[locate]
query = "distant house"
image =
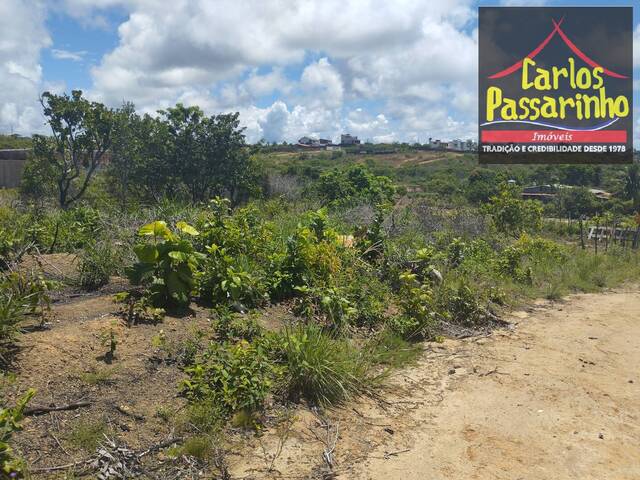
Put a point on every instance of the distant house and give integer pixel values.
(457, 145)
(546, 193)
(347, 139)
(436, 144)
(306, 141)
(543, 193)
(311, 142)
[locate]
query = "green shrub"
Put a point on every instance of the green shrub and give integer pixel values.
(12, 466)
(319, 368)
(519, 259)
(235, 376)
(230, 326)
(67, 230)
(455, 252)
(166, 264)
(96, 263)
(312, 257)
(354, 184)
(419, 318)
(225, 280)
(330, 305)
(368, 296)
(514, 216)
(463, 305)
(21, 295)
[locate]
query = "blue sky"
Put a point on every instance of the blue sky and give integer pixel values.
(386, 71)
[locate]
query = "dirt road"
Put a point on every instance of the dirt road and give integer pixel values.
(557, 398)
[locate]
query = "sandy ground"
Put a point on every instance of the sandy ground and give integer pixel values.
(557, 398)
(554, 397)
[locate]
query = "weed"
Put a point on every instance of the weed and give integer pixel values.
(197, 447)
(420, 315)
(137, 308)
(11, 466)
(330, 305)
(166, 264)
(164, 413)
(182, 352)
(99, 376)
(235, 376)
(319, 368)
(230, 326)
(96, 264)
(108, 339)
(21, 295)
(391, 350)
(86, 434)
(204, 416)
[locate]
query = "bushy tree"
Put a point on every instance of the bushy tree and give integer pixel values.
(81, 135)
(575, 202)
(208, 153)
(139, 166)
(511, 214)
(181, 152)
(483, 184)
(355, 183)
(581, 175)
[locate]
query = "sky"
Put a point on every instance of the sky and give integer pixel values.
(402, 70)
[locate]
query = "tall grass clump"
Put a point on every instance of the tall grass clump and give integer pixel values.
(21, 295)
(319, 368)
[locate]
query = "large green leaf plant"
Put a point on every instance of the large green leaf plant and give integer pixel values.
(166, 264)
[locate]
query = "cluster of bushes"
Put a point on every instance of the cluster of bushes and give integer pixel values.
(364, 280)
(179, 154)
(359, 292)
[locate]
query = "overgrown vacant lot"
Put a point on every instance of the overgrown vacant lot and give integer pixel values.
(188, 309)
(274, 321)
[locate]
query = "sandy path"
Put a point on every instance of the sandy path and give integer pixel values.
(557, 398)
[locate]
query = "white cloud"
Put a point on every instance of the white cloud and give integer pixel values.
(23, 35)
(323, 84)
(402, 70)
(258, 85)
(390, 52)
(275, 122)
(368, 126)
(68, 55)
